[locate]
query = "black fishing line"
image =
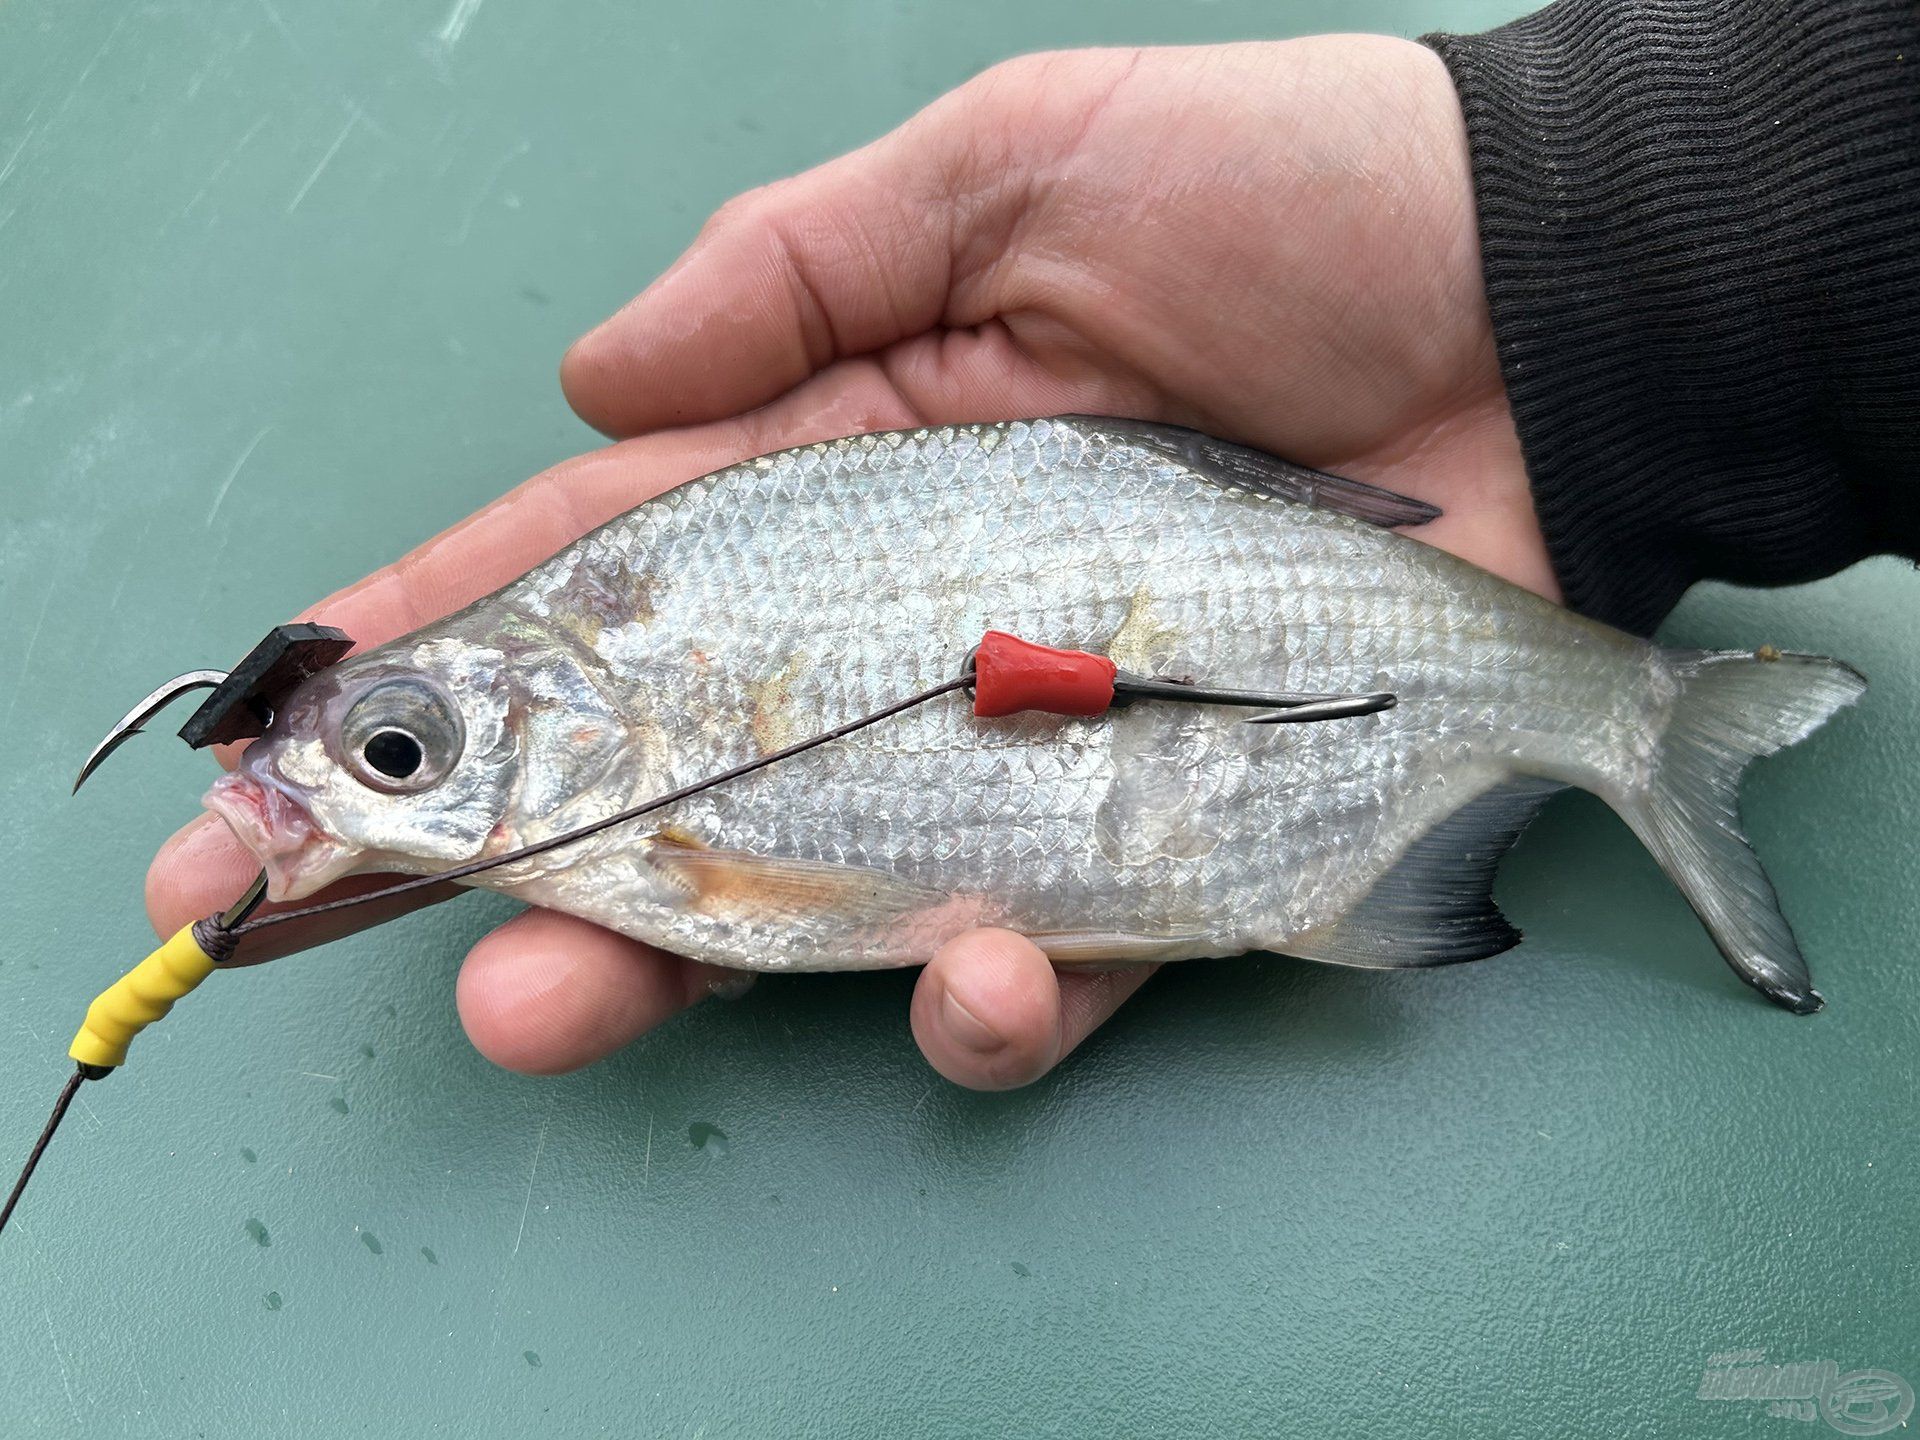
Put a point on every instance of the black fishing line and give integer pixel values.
(40, 1145)
(234, 932)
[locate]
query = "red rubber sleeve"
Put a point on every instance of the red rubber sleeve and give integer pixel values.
(1012, 675)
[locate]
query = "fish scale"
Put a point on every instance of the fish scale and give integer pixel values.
(788, 594)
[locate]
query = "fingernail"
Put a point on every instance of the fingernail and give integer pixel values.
(968, 1028)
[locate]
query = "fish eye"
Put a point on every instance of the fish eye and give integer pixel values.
(401, 735)
(394, 753)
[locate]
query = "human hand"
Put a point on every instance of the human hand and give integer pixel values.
(1272, 242)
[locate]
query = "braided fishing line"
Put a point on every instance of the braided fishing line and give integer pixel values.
(67, 1093)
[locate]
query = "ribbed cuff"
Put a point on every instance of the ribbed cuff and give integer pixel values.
(1698, 222)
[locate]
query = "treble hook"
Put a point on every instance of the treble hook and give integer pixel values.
(129, 724)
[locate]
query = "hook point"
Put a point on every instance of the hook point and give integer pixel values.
(130, 724)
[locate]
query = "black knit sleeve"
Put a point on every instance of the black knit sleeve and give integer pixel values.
(1700, 224)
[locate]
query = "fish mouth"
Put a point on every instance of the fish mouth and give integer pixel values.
(297, 855)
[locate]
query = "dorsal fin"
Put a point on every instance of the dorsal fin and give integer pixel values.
(1248, 469)
(1435, 906)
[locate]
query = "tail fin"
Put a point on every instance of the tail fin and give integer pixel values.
(1733, 707)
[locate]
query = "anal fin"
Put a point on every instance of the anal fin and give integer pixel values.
(1097, 948)
(1435, 906)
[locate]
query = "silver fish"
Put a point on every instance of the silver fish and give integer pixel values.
(782, 596)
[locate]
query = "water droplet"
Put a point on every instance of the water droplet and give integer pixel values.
(274, 1302)
(1021, 1270)
(258, 1233)
(710, 1138)
(368, 1239)
(532, 1358)
(338, 1104)
(367, 1051)
(248, 1155)
(429, 1256)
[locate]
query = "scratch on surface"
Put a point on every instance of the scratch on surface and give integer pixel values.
(220, 496)
(66, 1381)
(273, 18)
(319, 82)
(506, 1266)
(221, 168)
(26, 658)
(486, 189)
(80, 80)
(458, 18)
(315, 1075)
(646, 1172)
(14, 158)
(531, 1173)
(325, 160)
(33, 638)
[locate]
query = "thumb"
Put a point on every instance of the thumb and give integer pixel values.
(781, 282)
(992, 1013)
(892, 240)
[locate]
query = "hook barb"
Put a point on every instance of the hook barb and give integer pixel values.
(130, 723)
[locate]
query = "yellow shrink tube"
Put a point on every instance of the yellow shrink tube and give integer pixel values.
(138, 998)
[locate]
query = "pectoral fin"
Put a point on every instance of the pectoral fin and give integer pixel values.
(1435, 906)
(773, 890)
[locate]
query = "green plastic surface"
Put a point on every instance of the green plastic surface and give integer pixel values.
(282, 289)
